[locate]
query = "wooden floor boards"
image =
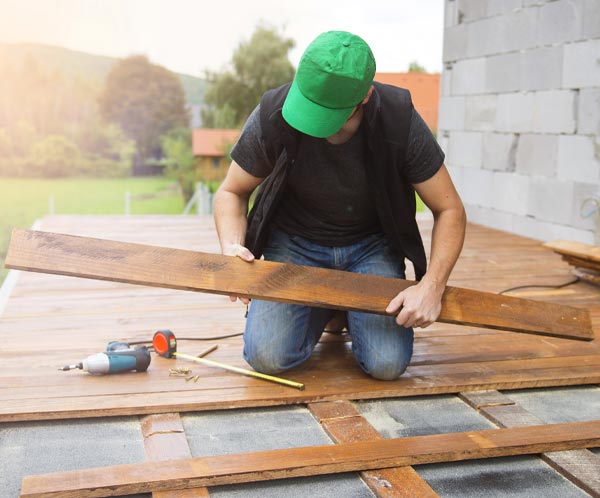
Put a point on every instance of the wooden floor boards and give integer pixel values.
(307, 461)
(54, 320)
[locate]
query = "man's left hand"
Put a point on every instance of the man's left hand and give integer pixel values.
(420, 305)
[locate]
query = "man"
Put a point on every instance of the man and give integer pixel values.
(338, 158)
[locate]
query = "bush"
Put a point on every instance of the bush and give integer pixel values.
(54, 156)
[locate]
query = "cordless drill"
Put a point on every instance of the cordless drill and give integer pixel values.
(118, 357)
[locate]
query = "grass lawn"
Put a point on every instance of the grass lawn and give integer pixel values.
(22, 201)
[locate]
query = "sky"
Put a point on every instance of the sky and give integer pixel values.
(192, 36)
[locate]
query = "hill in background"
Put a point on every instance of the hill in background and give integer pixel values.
(89, 67)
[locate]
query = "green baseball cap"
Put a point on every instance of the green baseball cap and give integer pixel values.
(333, 77)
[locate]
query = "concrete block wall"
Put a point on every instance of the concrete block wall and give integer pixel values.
(520, 113)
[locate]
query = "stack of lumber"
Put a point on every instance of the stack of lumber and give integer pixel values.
(584, 258)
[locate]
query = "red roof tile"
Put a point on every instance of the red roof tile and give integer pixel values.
(209, 142)
(424, 89)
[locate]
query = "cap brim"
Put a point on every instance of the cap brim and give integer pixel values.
(310, 118)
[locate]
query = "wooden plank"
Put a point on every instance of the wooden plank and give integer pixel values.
(576, 249)
(164, 439)
(582, 467)
(581, 263)
(590, 276)
(316, 460)
(342, 421)
(483, 399)
(188, 270)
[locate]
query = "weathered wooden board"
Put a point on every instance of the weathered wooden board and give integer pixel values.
(188, 270)
(575, 249)
(316, 460)
(344, 424)
(164, 439)
(582, 467)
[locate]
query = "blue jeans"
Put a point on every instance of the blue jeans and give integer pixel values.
(280, 336)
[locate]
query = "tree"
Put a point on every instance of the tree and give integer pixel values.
(257, 65)
(146, 100)
(415, 67)
(177, 147)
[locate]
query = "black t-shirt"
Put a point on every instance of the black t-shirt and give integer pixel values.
(327, 198)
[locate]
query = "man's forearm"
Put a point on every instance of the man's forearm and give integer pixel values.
(446, 244)
(230, 211)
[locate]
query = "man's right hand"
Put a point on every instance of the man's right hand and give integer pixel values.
(244, 254)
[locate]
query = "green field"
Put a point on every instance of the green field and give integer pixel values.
(22, 201)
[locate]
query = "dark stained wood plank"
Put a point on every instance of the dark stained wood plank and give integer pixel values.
(164, 439)
(315, 460)
(582, 467)
(187, 270)
(344, 424)
(576, 249)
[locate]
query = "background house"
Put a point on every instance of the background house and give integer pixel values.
(424, 89)
(211, 148)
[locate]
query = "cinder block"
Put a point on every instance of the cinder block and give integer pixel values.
(551, 200)
(452, 113)
(499, 151)
(581, 67)
(481, 112)
(542, 230)
(446, 81)
(456, 175)
(591, 19)
(520, 29)
(455, 43)
(486, 36)
(537, 155)
(468, 76)
(578, 158)
(560, 22)
(588, 114)
(503, 73)
(510, 192)
(541, 69)
(477, 187)
(465, 149)
(442, 140)
(529, 3)
(450, 13)
(497, 7)
(515, 112)
(471, 10)
(581, 192)
(492, 218)
(554, 111)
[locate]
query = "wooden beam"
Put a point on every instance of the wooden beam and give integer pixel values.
(316, 460)
(344, 424)
(188, 270)
(581, 467)
(164, 439)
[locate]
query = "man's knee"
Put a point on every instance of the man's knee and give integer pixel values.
(269, 361)
(386, 368)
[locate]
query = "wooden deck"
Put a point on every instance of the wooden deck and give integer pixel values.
(50, 321)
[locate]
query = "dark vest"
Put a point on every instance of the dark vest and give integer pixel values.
(387, 122)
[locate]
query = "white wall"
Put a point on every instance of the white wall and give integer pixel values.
(520, 113)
